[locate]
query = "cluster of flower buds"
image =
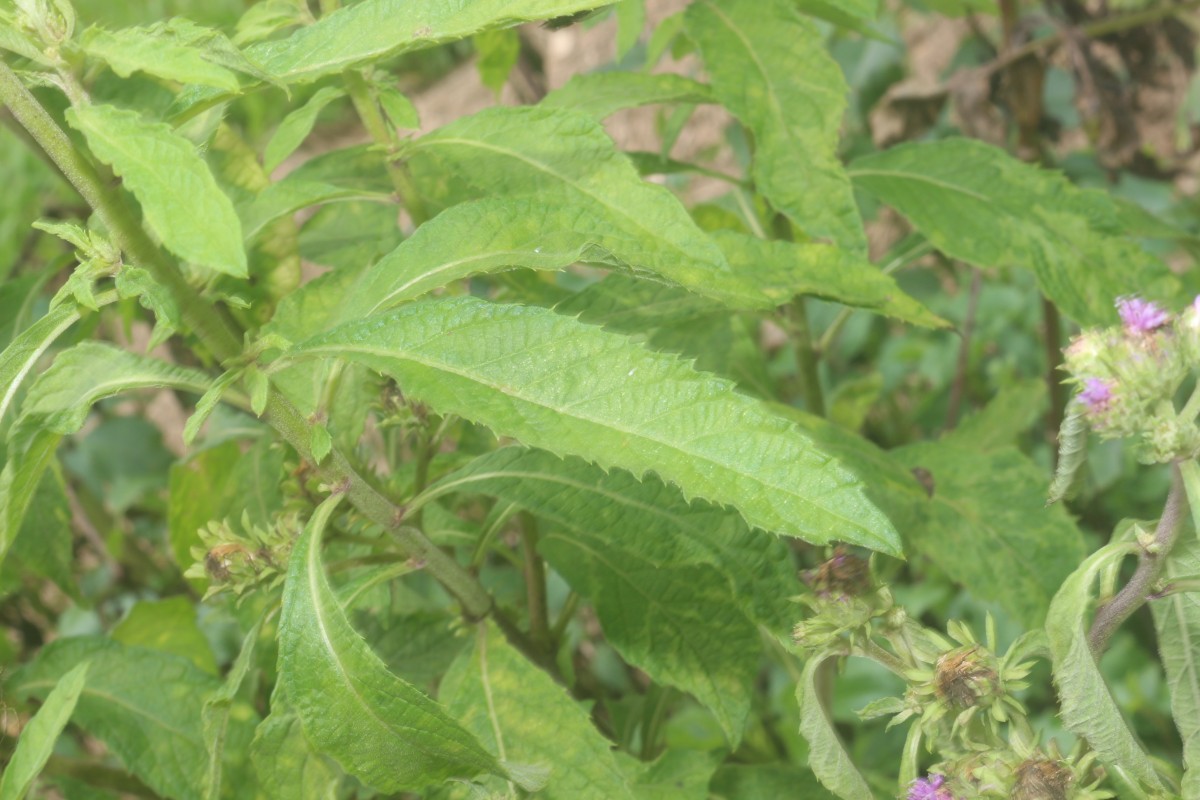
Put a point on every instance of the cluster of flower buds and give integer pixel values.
(239, 562)
(1128, 376)
(1019, 773)
(845, 602)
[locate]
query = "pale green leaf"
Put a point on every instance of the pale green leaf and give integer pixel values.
(296, 126)
(565, 158)
(15, 40)
(287, 765)
(827, 756)
(988, 527)
(769, 66)
(379, 728)
(498, 51)
(781, 270)
(26, 462)
(647, 517)
(143, 704)
(599, 94)
(180, 199)
(1015, 409)
(168, 625)
(677, 774)
(574, 389)
(676, 622)
(293, 194)
(133, 50)
(1087, 704)
(1177, 621)
(36, 742)
(154, 297)
(976, 203)
(399, 110)
(216, 715)
(377, 29)
(521, 715)
(44, 544)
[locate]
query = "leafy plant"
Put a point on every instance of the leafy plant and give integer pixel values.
(349, 454)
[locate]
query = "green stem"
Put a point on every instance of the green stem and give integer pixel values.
(224, 342)
(565, 615)
(535, 583)
(377, 126)
(1192, 407)
(806, 359)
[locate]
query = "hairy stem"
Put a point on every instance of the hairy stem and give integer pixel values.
(959, 387)
(223, 340)
(1150, 566)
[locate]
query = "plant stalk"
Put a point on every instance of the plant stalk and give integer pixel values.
(535, 584)
(220, 336)
(1150, 566)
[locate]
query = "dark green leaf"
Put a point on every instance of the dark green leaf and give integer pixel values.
(599, 94)
(170, 626)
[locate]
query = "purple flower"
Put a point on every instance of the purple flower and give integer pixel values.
(1141, 316)
(1096, 394)
(929, 789)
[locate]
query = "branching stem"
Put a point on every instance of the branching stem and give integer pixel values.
(1150, 566)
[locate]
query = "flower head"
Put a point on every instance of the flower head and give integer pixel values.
(930, 788)
(1141, 316)
(1096, 395)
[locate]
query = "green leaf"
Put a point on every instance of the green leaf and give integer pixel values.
(1087, 704)
(160, 167)
(574, 389)
(143, 704)
(168, 625)
(647, 517)
(976, 203)
(1014, 410)
(36, 743)
(519, 713)
(296, 126)
(81, 376)
(631, 19)
(564, 158)
(498, 53)
(44, 544)
(374, 30)
(599, 94)
(765, 782)
(769, 66)
(133, 50)
(676, 622)
(783, 270)
(379, 728)
(216, 715)
(288, 767)
(677, 774)
(58, 403)
(827, 756)
(398, 109)
(23, 352)
(988, 527)
(1177, 622)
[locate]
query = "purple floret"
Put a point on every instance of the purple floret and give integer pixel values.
(1096, 394)
(930, 788)
(1141, 316)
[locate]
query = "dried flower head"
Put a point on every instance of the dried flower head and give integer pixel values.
(965, 675)
(1141, 316)
(843, 575)
(1042, 779)
(930, 788)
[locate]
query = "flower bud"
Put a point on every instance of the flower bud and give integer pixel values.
(52, 20)
(930, 788)
(1042, 779)
(843, 575)
(965, 677)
